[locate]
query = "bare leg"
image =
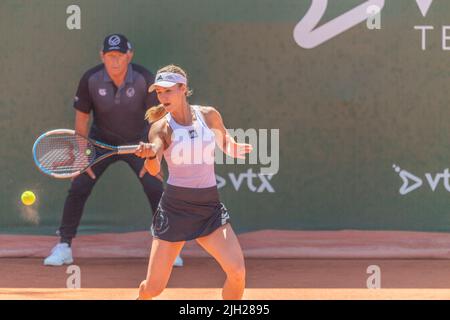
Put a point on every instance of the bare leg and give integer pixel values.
(224, 246)
(160, 265)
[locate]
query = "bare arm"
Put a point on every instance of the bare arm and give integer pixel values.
(153, 151)
(223, 139)
(82, 123)
(82, 128)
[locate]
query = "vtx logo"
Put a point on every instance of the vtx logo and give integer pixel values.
(412, 182)
(263, 181)
(308, 35)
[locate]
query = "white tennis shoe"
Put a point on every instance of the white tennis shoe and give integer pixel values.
(60, 254)
(178, 262)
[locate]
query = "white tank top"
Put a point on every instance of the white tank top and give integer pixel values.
(190, 156)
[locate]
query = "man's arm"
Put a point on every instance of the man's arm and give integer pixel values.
(82, 123)
(83, 104)
(83, 107)
(82, 128)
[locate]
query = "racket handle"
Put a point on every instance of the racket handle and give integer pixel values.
(127, 149)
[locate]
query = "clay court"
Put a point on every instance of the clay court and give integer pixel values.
(280, 265)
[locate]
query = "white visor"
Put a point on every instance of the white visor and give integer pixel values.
(167, 80)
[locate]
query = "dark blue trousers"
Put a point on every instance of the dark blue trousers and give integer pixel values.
(83, 184)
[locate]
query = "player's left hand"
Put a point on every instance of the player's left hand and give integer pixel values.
(239, 150)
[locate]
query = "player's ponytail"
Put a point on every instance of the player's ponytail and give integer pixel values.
(155, 113)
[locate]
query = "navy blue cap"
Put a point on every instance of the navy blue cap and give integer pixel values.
(116, 42)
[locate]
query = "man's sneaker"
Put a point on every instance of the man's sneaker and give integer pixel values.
(178, 262)
(61, 254)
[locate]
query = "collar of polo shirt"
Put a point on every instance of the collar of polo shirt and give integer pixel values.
(128, 78)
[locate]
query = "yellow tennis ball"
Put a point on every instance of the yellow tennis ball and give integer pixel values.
(28, 198)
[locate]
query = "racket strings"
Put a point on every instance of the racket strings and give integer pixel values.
(64, 154)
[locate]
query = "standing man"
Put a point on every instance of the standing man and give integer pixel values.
(116, 92)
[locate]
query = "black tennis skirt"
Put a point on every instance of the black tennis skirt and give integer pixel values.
(185, 214)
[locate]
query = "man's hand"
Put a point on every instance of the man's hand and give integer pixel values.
(145, 150)
(142, 172)
(90, 174)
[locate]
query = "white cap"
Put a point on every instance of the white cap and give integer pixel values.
(167, 80)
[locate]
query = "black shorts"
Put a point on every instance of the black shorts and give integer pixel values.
(185, 214)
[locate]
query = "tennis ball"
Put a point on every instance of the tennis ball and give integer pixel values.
(28, 198)
(88, 152)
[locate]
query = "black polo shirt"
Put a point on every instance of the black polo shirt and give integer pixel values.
(118, 112)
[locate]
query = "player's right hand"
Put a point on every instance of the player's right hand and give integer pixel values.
(145, 150)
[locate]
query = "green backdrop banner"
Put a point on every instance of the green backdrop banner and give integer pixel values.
(363, 114)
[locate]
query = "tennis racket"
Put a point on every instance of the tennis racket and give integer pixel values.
(63, 153)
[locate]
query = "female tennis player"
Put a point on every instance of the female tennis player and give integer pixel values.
(190, 207)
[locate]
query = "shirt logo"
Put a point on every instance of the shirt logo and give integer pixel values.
(114, 41)
(130, 92)
(102, 92)
(193, 134)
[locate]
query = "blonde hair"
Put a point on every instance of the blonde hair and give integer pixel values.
(157, 112)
